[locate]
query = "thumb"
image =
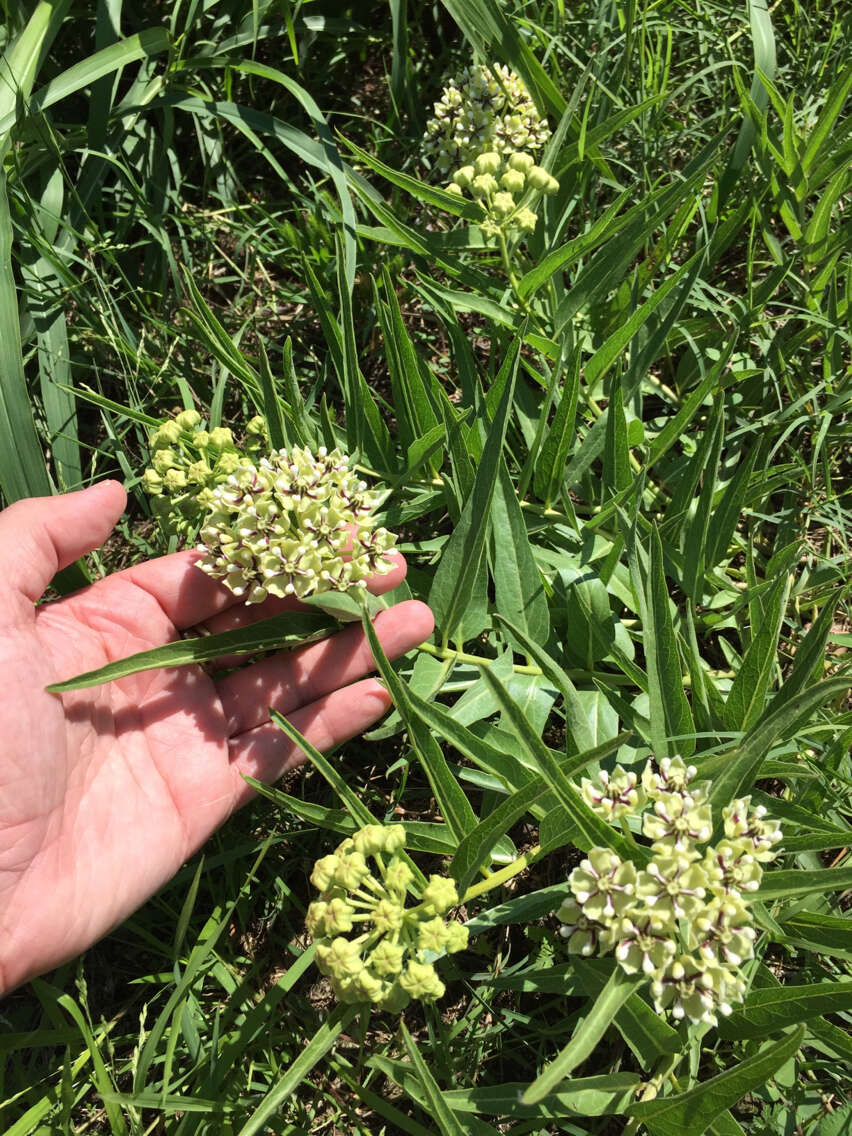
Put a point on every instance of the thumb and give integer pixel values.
(41, 535)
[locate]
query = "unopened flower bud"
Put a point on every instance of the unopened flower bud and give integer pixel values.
(487, 163)
(521, 162)
(167, 435)
(502, 204)
(540, 179)
(420, 980)
(439, 895)
(483, 185)
(188, 419)
(513, 181)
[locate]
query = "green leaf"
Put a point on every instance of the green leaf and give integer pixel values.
(271, 405)
(592, 830)
(474, 850)
(606, 355)
(550, 466)
(518, 585)
(767, 1011)
(691, 1113)
(459, 568)
(322, 1041)
(584, 1096)
(410, 398)
(617, 475)
(726, 515)
(588, 1033)
(670, 716)
(832, 933)
(798, 881)
(747, 695)
(451, 798)
(489, 30)
(695, 527)
(420, 190)
(440, 1111)
(151, 41)
(365, 430)
(831, 111)
(582, 612)
(647, 1033)
(576, 721)
(733, 774)
(23, 472)
(763, 41)
(809, 658)
(273, 634)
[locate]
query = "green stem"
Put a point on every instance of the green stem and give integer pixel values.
(665, 1069)
(495, 879)
(510, 272)
(518, 668)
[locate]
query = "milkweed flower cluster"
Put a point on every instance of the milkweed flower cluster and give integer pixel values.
(188, 461)
(487, 130)
(683, 921)
(504, 185)
(483, 108)
(371, 946)
(293, 523)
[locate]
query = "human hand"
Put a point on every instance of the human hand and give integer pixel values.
(105, 792)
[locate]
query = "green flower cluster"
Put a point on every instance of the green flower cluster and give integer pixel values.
(188, 462)
(683, 921)
(504, 185)
(483, 109)
(388, 961)
(293, 524)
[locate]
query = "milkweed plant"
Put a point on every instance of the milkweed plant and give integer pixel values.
(614, 822)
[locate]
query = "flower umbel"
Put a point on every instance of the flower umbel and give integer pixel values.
(389, 959)
(683, 922)
(293, 524)
(188, 462)
(483, 108)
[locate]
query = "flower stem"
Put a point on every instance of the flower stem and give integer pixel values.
(495, 879)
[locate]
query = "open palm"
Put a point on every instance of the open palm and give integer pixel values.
(105, 792)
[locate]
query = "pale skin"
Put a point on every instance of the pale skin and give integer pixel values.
(105, 792)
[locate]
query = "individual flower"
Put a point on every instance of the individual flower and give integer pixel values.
(748, 827)
(678, 823)
(672, 886)
(672, 776)
(644, 944)
(603, 884)
(585, 936)
(483, 109)
(389, 957)
(729, 869)
(723, 932)
(688, 988)
(293, 524)
(613, 795)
